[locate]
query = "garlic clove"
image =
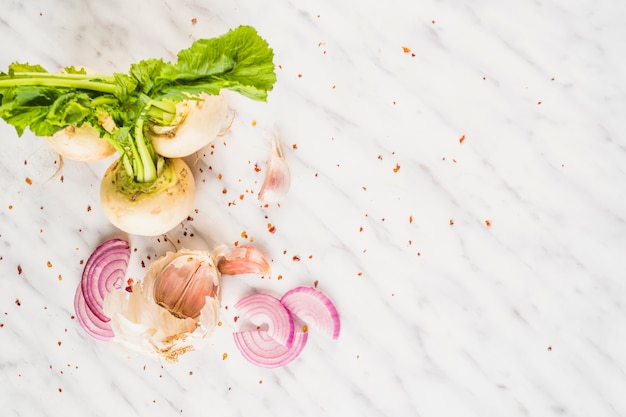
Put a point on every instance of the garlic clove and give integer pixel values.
(244, 260)
(183, 285)
(277, 177)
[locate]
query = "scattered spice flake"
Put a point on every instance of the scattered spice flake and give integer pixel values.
(406, 50)
(235, 319)
(360, 274)
(484, 78)
(60, 390)
(260, 381)
(219, 176)
(299, 75)
(49, 264)
(397, 168)
(17, 302)
(296, 258)
(315, 283)
(410, 219)
(88, 208)
(219, 324)
(28, 181)
(257, 168)
(271, 228)
(279, 277)
(538, 103)
(549, 348)
(462, 139)
(361, 229)
(253, 123)
(432, 21)
(62, 178)
(59, 343)
(224, 191)
(60, 278)
(10, 206)
(294, 146)
(19, 270)
(224, 356)
(244, 234)
(305, 328)
(190, 372)
(488, 223)
(451, 222)
(241, 196)
(194, 21)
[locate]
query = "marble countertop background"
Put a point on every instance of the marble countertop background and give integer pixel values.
(458, 189)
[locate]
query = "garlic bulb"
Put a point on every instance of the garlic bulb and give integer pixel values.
(277, 177)
(177, 303)
(173, 307)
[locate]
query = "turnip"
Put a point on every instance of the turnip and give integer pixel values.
(80, 144)
(143, 192)
(196, 123)
(152, 209)
(83, 143)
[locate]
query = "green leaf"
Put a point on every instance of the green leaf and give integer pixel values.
(239, 60)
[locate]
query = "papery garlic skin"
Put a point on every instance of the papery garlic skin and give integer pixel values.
(277, 177)
(141, 325)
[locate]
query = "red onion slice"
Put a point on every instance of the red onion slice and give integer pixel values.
(314, 308)
(258, 347)
(104, 272)
(94, 327)
(264, 309)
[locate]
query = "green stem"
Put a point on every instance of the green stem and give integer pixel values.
(59, 82)
(148, 171)
(63, 75)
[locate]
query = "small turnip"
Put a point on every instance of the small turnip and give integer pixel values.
(196, 123)
(80, 144)
(152, 208)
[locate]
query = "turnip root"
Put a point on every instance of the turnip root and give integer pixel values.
(196, 123)
(148, 209)
(80, 144)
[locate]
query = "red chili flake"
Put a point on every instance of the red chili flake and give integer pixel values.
(451, 222)
(397, 168)
(433, 22)
(190, 372)
(270, 228)
(219, 323)
(299, 75)
(462, 139)
(49, 264)
(1, 325)
(260, 381)
(315, 283)
(484, 78)
(294, 146)
(224, 356)
(410, 242)
(257, 168)
(410, 219)
(244, 234)
(62, 178)
(361, 229)
(60, 278)
(129, 288)
(224, 191)
(28, 181)
(17, 302)
(406, 50)
(10, 206)
(279, 277)
(296, 258)
(236, 243)
(60, 390)
(241, 196)
(488, 223)
(305, 328)
(549, 348)
(194, 21)
(253, 123)
(360, 274)
(236, 318)
(19, 270)
(539, 102)
(334, 86)
(88, 208)
(59, 343)
(219, 176)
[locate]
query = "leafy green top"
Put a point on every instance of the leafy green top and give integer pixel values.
(30, 97)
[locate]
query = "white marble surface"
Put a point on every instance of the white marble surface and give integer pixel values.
(524, 317)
